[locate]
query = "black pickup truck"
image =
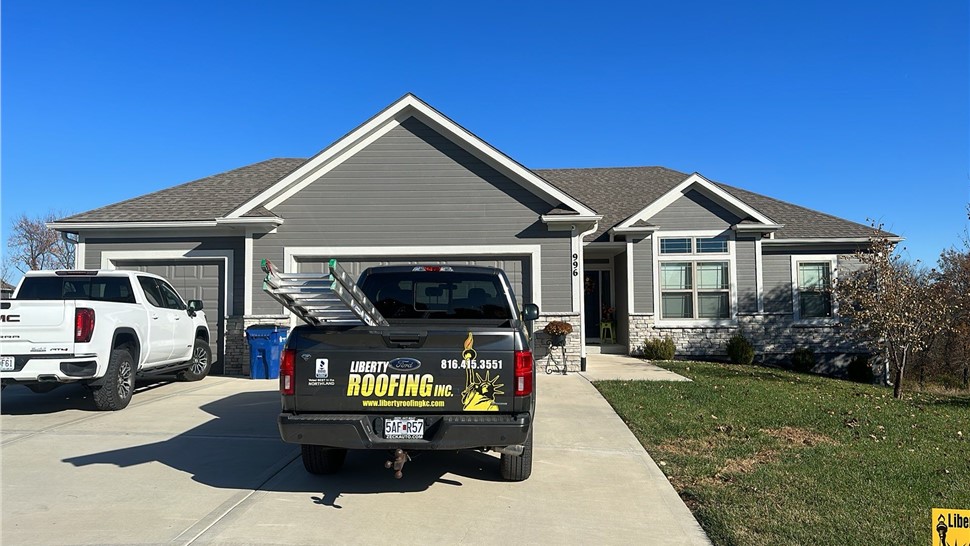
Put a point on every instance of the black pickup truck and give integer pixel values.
(452, 370)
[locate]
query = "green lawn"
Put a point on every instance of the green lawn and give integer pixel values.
(765, 456)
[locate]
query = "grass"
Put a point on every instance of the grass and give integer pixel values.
(766, 456)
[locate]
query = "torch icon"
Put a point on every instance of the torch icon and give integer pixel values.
(941, 528)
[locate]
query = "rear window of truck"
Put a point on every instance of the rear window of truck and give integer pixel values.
(437, 295)
(115, 289)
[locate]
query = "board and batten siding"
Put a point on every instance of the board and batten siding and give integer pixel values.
(415, 188)
(693, 212)
(95, 246)
(643, 276)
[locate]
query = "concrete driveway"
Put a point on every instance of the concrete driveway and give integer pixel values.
(202, 463)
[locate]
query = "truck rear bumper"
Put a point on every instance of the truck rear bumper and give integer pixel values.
(442, 432)
(51, 368)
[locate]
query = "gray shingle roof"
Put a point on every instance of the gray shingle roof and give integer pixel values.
(616, 193)
(204, 199)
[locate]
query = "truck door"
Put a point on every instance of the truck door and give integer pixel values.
(183, 328)
(161, 323)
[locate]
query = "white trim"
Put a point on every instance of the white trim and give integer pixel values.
(575, 271)
(80, 253)
(533, 252)
(646, 230)
(698, 182)
(578, 280)
(568, 218)
(823, 240)
(405, 107)
(73, 226)
(631, 279)
(759, 276)
(248, 274)
(250, 220)
(730, 256)
(109, 257)
(833, 260)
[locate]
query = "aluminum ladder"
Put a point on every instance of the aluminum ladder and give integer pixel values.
(331, 297)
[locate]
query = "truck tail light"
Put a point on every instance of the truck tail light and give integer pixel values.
(83, 324)
(523, 373)
(287, 375)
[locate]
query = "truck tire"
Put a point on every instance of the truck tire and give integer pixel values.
(201, 362)
(119, 382)
(516, 468)
(322, 460)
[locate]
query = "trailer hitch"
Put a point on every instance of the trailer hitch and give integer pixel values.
(400, 457)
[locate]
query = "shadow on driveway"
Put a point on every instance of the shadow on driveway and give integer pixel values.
(240, 448)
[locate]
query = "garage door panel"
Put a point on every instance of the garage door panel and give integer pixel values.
(516, 268)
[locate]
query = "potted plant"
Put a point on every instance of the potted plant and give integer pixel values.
(558, 330)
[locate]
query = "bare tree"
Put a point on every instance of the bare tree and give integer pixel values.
(32, 245)
(891, 304)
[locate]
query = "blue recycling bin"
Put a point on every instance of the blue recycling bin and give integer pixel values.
(265, 346)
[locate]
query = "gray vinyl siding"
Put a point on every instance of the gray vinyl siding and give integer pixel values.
(747, 285)
(414, 187)
(95, 246)
(643, 276)
(621, 292)
(778, 274)
(694, 211)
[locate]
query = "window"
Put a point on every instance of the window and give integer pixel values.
(814, 298)
(675, 245)
(687, 245)
(689, 286)
(97, 288)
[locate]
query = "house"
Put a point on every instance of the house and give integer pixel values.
(6, 290)
(647, 251)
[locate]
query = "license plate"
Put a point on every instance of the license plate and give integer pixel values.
(401, 428)
(6, 363)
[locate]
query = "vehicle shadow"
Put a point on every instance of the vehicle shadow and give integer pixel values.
(240, 448)
(20, 400)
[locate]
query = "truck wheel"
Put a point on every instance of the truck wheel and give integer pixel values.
(119, 382)
(201, 362)
(516, 468)
(322, 460)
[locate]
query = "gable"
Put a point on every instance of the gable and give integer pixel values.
(411, 181)
(694, 211)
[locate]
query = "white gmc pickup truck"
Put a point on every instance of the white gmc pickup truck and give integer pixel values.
(100, 328)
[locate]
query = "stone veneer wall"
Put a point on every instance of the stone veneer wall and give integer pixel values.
(774, 336)
(541, 341)
(237, 347)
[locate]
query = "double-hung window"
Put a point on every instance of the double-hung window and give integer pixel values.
(813, 284)
(694, 282)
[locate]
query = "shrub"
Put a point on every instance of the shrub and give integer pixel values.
(740, 350)
(803, 360)
(659, 349)
(860, 370)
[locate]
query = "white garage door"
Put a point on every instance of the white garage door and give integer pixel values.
(195, 280)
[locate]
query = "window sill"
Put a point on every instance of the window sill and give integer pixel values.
(815, 323)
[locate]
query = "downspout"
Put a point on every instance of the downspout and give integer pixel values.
(582, 300)
(73, 242)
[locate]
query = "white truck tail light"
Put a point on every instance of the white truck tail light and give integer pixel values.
(523, 373)
(287, 376)
(83, 324)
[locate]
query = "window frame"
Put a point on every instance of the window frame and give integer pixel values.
(694, 258)
(796, 260)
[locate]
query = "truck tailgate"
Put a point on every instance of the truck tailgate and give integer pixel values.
(404, 370)
(37, 322)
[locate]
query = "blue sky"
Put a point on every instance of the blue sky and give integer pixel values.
(859, 109)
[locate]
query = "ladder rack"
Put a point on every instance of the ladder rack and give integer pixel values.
(331, 297)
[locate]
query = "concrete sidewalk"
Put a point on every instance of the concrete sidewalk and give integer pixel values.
(202, 463)
(600, 367)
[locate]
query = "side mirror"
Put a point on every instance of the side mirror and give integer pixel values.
(194, 305)
(530, 312)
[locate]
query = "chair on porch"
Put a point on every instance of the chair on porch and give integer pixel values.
(607, 332)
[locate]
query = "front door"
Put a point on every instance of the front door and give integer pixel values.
(598, 294)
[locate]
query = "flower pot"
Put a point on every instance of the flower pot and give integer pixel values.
(559, 340)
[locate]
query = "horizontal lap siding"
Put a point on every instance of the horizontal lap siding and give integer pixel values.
(747, 283)
(643, 276)
(778, 273)
(414, 187)
(694, 211)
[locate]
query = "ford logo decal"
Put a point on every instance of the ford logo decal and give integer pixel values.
(404, 364)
